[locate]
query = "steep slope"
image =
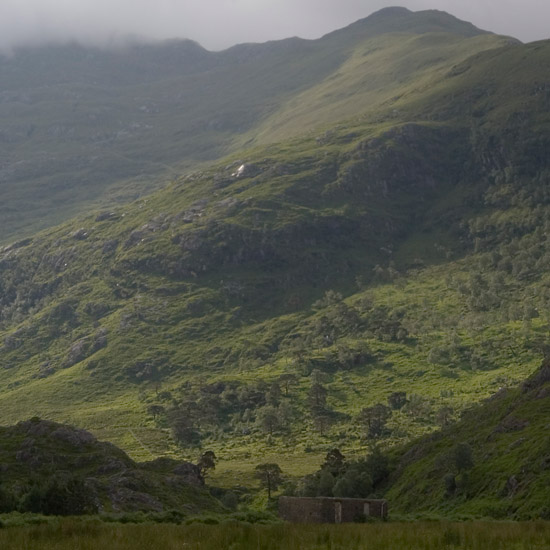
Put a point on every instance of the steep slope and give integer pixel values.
(502, 468)
(212, 310)
(209, 256)
(81, 125)
(398, 53)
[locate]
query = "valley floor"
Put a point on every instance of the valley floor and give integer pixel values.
(90, 534)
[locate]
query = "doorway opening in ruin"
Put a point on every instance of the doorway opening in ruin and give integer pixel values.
(366, 509)
(337, 512)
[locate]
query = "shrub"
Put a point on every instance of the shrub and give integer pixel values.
(59, 496)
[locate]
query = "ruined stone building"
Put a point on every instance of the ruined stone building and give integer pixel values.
(330, 510)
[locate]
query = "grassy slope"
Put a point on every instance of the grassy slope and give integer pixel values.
(367, 86)
(82, 126)
(510, 449)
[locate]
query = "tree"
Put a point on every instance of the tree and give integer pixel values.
(322, 419)
(207, 461)
(418, 406)
(286, 414)
(287, 380)
(344, 487)
(183, 428)
(330, 298)
(462, 457)
(298, 349)
(324, 331)
(377, 465)
(397, 400)
(273, 396)
(165, 396)
(345, 357)
(317, 396)
(356, 482)
(270, 476)
(155, 411)
(444, 415)
(344, 318)
(449, 481)
(247, 416)
(374, 419)
(317, 377)
(60, 495)
(8, 502)
(326, 483)
(268, 418)
(230, 500)
(208, 409)
(334, 462)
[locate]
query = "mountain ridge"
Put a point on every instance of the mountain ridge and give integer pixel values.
(400, 19)
(111, 126)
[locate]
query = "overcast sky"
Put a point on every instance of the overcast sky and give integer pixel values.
(218, 24)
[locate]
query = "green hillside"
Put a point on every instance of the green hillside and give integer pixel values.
(493, 463)
(259, 305)
(84, 127)
(363, 283)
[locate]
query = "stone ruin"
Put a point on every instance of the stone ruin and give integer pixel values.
(331, 510)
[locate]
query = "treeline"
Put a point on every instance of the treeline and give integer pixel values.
(283, 407)
(315, 351)
(339, 477)
(233, 407)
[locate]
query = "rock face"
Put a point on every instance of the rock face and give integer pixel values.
(40, 450)
(541, 377)
(176, 471)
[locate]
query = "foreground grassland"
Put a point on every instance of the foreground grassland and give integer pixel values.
(79, 535)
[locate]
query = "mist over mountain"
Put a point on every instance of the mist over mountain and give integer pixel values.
(221, 23)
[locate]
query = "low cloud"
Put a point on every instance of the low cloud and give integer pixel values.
(218, 24)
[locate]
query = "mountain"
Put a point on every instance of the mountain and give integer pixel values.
(259, 304)
(83, 127)
(502, 474)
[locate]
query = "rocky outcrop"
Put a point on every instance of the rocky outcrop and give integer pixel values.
(42, 450)
(541, 377)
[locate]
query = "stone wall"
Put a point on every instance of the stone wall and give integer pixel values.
(330, 510)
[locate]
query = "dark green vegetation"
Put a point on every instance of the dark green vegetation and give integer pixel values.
(89, 535)
(342, 478)
(364, 283)
(84, 126)
(53, 469)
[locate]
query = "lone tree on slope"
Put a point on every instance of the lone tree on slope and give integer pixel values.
(270, 476)
(207, 461)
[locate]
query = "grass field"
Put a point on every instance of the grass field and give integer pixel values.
(83, 535)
